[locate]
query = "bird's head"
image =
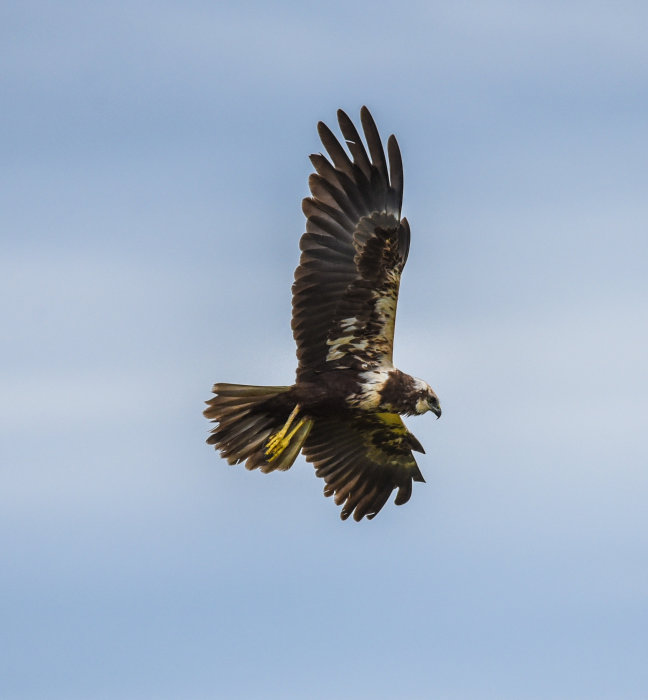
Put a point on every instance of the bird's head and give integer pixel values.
(426, 399)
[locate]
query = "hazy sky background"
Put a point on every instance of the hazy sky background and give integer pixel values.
(153, 159)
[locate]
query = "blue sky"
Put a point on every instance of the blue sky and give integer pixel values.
(154, 156)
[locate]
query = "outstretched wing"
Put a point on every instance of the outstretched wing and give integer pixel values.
(353, 253)
(363, 458)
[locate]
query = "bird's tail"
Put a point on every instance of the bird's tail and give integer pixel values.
(258, 425)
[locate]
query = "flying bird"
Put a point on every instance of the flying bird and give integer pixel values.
(344, 410)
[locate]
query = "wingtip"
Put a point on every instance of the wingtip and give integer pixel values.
(322, 129)
(393, 148)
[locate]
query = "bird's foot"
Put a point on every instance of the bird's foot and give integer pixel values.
(278, 442)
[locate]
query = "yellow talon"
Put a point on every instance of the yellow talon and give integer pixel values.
(278, 442)
(278, 449)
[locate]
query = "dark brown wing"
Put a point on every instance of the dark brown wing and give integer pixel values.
(353, 253)
(363, 458)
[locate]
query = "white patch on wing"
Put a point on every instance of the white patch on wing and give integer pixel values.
(371, 383)
(351, 326)
(377, 348)
(386, 307)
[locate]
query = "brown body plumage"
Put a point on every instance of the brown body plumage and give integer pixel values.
(343, 412)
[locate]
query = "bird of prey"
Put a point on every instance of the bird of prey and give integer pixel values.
(344, 409)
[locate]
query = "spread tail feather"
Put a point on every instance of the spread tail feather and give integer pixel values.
(248, 417)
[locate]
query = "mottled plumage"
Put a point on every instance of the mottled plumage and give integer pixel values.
(344, 410)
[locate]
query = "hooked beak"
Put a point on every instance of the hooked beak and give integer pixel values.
(435, 408)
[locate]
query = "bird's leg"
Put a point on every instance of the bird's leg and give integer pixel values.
(278, 442)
